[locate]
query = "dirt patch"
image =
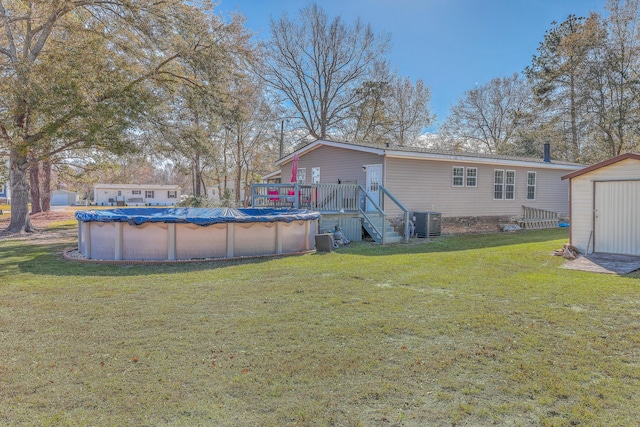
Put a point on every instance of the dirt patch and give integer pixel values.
(42, 222)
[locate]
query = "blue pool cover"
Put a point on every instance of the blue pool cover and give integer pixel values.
(199, 216)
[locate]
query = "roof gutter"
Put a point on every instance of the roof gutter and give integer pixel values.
(479, 160)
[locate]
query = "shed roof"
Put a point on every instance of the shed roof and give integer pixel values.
(602, 164)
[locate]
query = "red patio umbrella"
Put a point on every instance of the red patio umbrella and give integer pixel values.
(294, 168)
(294, 177)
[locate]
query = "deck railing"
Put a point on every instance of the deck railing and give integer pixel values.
(317, 197)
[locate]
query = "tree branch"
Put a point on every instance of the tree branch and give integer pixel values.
(12, 53)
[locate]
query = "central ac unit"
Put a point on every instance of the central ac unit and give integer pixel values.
(427, 224)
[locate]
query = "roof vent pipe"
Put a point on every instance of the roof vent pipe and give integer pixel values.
(547, 153)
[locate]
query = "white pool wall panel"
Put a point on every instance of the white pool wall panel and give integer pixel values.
(160, 241)
(146, 241)
(194, 241)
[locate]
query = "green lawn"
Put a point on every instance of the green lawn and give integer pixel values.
(467, 330)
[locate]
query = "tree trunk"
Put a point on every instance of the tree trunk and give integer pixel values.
(248, 183)
(575, 148)
(34, 181)
(197, 176)
(238, 179)
(20, 222)
(45, 188)
(204, 186)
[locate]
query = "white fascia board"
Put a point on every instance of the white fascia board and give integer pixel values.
(272, 174)
(480, 160)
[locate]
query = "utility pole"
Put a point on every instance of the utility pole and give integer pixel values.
(281, 138)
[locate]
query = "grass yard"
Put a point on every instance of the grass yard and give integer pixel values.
(470, 330)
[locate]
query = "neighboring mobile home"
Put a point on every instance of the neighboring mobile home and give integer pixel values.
(5, 193)
(135, 195)
(457, 185)
(605, 206)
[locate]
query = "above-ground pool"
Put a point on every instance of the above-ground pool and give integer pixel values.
(172, 234)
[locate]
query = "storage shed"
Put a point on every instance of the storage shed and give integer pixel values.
(605, 206)
(63, 198)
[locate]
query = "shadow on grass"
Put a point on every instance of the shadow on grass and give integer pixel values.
(47, 259)
(461, 242)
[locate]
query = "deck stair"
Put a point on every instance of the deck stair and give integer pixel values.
(375, 223)
(535, 218)
(343, 203)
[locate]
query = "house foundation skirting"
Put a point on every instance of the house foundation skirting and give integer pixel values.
(350, 224)
(475, 224)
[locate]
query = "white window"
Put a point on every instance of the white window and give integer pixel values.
(510, 185)
(458, 176)
(315, 175)
(172, 194)
(531, 185)
(504, 185)
(462, 176)
(472, 177)
(149, 194)
(498, 184)
(302, 175)
(136, 192)
(119, 192)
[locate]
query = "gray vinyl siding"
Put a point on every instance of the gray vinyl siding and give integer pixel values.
(426, 185)
(582, 202)
(335, 164)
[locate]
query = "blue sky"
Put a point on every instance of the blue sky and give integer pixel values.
(451, 45)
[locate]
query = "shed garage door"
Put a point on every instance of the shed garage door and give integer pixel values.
(617, 217)
(60, 200)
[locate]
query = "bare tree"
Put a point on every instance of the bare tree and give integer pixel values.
(370, 122)
(489, 116)
(251, 125)
(318, 64)
(409, 110)
(392, 110)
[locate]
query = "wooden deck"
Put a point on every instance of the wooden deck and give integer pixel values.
(339, 204)
(329, 198)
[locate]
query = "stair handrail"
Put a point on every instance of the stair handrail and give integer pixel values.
(405, 211)
(376, 209)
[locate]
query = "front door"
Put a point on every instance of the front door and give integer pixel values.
(374, 179)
